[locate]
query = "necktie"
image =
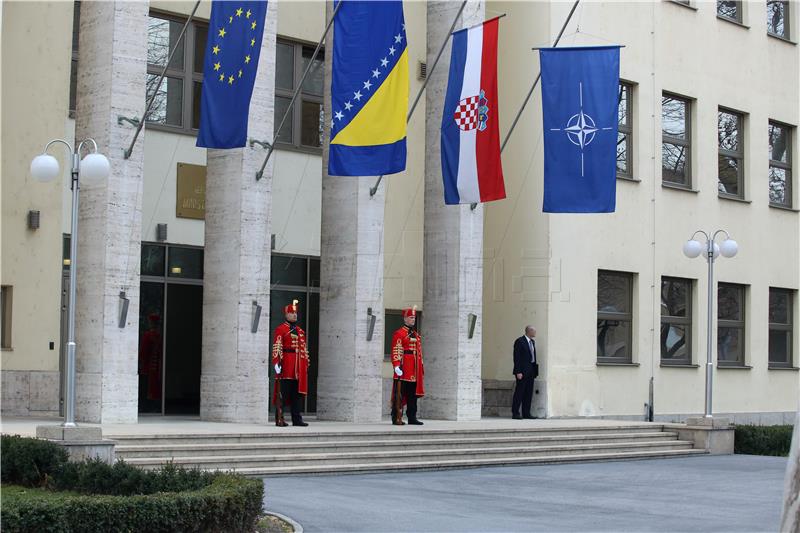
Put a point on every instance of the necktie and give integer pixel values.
(533, 351)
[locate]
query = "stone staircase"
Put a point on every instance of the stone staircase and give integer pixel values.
(300, 451)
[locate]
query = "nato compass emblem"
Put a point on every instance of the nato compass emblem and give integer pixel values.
(581, 128)
(472, 113)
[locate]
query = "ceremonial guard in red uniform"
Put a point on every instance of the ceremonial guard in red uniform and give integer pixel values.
(290, 360)
(409, 372)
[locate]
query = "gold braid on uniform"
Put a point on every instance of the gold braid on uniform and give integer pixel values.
(397, 351)
(277, 349)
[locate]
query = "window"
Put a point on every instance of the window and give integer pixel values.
(730, 325)
(778, 18)
(676, 321)
(625, 135)
(780, 164)
(780, 327)
(73, 72)
(6, 300)
(177, 102)
(303, 127)
(394, 321)
(729, 9)
(731, 153)
(614, 317)
(676, 143)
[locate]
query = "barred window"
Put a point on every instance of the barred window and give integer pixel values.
(676, 321)
(676, 144)
(730, 324)
(731, 153)
(177, 101)
(625, 135)
(780, 164)
(781, 325)
(303, 127)
(614, 317)
(778, 18)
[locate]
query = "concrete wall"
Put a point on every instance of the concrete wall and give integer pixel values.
(690, 52)
(34, 103)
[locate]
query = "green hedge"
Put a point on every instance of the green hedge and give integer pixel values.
(92, 496)
(30, 462)
(763, 440)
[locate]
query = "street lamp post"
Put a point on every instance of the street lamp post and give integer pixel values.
(691, 249)
(93, 169)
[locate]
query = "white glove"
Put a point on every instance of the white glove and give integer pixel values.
(398, 371)
(277, 369)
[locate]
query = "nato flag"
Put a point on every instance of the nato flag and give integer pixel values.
(234, 42)
(579, 105)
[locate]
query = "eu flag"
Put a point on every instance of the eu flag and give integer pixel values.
(369, 89)
(579, 106)
(231, 60)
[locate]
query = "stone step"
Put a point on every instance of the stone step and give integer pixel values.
(431, 455)
(308, 434)
(188, 450)
(461, 463)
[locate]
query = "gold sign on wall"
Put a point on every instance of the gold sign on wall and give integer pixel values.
(190, 201)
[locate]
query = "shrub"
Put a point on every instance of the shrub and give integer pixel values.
(228, 503)
(30, 462)
(121, 497)
(763, 440)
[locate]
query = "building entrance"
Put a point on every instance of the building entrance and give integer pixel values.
(170, 329)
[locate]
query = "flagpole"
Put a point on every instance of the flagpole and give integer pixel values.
(297, 90)
(374, 188)
(127, 153)
(533, 87)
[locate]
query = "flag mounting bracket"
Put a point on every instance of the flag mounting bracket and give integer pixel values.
(266, 146)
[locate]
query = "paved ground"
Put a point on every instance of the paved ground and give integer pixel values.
(721, 493)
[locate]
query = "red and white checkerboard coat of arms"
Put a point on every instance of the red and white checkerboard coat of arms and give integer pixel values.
(472, 113)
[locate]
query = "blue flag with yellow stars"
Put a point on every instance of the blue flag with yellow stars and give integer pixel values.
(369, 89)
(231, 60)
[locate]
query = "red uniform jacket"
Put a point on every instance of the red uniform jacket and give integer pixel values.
(407, 354)
(290, 352)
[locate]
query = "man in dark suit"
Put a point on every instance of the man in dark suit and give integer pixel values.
(526, 368)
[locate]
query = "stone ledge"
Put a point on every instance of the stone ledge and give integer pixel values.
(81, 443)
(714, 435)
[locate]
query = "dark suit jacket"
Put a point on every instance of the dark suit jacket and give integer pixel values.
(522, 359)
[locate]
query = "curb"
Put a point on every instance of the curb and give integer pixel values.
(295, 525)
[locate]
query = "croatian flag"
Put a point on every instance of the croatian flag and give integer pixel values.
(471, 166)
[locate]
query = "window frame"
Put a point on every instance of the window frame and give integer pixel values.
(685, 322)
(739, 155)
(789, 190)
(787, 327)
(186, 75)
(616, 317)
(738, 19)
(6, 320)
(677, 141)
(626, 129)
(740, 324)
(787, 17)
(296, 115)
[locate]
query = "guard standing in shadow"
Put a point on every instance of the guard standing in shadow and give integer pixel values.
(409, 371)
(290, 360)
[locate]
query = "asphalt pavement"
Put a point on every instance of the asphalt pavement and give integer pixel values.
(705, 493)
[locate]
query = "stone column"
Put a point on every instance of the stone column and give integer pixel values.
(234, 383)
(349, 379)
(111, 82)
(790, 521)
(452, 254)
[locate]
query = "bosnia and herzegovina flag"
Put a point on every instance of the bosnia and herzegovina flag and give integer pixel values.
(231, 61)
(471, 166)
(369, 89)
